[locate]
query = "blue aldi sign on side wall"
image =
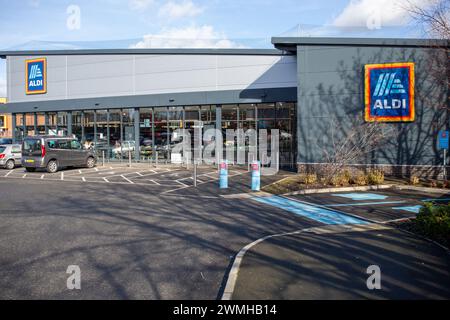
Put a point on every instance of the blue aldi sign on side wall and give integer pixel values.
(36, 76)
(389, 92)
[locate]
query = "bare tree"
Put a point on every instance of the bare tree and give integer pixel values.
(434, 18)
(354, 146)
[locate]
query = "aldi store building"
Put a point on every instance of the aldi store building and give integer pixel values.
(316, 91)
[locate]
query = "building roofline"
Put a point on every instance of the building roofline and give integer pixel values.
(275, 52)
(291, 43)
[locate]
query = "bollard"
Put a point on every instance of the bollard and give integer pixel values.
(195, 174)
(256, 175)
(223, 175)
(129, 157)
(103, 158)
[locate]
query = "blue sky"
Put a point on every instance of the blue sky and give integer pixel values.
(189, 23)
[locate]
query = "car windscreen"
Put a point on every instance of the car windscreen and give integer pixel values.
(32, 146)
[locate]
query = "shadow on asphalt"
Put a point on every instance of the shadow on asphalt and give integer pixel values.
(333, 266)
(129, 241)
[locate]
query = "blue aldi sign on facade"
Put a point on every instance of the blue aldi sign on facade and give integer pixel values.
(36, 76)
(389, 92)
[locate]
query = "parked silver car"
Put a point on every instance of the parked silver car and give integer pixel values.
(10, 155)
(54, 152)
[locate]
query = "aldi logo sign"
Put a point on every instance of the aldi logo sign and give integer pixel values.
(36, 76)
(389, 92)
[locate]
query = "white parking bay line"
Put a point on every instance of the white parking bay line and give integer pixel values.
(127, 179)
(24, 175)
(62, 175)
(155, 182)
(185, 185)
(9, 173)
(139, 174)
(84, 179)
(42, 176)
(106, 180)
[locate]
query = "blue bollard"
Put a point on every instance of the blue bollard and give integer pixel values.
(256, 175)
(223, 175)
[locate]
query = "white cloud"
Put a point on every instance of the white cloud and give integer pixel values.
(360, 13)
(173, 10)
(140, 5)
(190, 37)
(2, 87)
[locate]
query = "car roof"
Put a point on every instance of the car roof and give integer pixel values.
(49, 137)
(6, 145)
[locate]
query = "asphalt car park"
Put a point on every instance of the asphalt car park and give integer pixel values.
(131, 241)
(145, 232)
(162, 178)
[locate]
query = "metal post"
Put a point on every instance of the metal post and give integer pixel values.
(14, 127)
(129, 155)
(35, 123)
(69, 123)
(103, 158)
(195, 173)
(445, 164)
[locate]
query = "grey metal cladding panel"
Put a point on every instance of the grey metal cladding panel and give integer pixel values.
(316, 108)
(278, 75)
(98, 67)
(180, 51)
(55, 79)
(378, 42)
(98, 87)
(159, 100)
(331, 83)
(325, 70)
(173, 63)
(182, 81)
(121, 75)
(237, 61)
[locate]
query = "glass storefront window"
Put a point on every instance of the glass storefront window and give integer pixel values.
(161, 133)
(61, 123)
(77, 129)
(115, 134)
(89, 128)
(101, 142)
(52, 126)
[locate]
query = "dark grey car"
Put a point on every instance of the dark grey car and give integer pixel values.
(53, 152)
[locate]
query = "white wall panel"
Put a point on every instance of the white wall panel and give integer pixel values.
(87, 76)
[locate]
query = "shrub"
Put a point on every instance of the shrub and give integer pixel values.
(434, 222)
(341, 179)
(360, 179)
(414, 180)
(375, 176)
(310, 178)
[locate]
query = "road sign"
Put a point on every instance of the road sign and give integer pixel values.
(443, 140)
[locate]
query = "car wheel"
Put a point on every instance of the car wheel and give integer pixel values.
(10, 164)
(30, 169)
(90, 162)
(52, 166)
